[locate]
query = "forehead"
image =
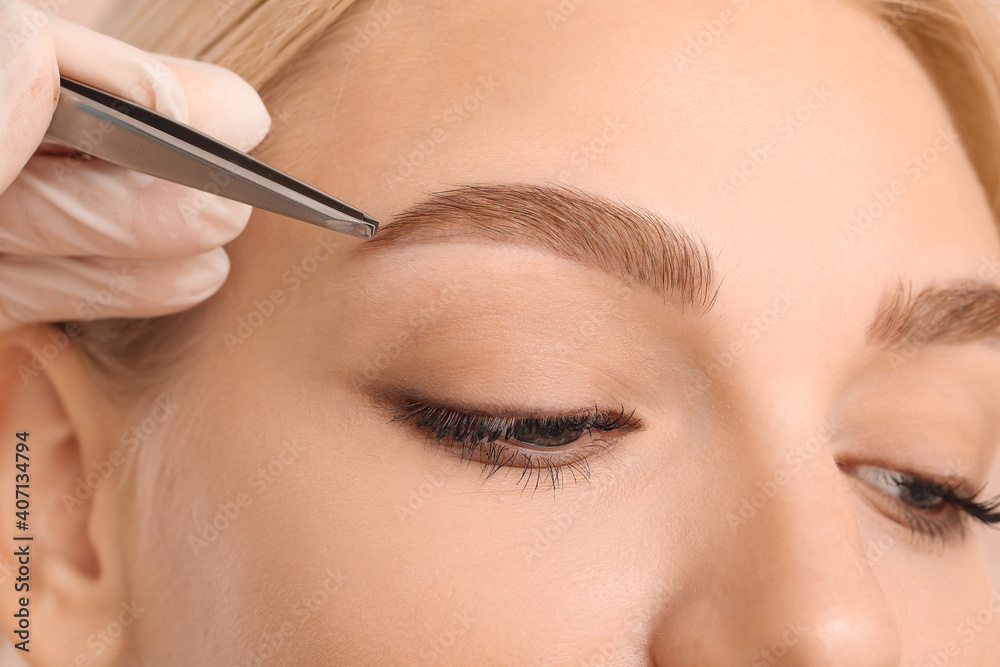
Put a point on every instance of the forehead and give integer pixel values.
(806, 119)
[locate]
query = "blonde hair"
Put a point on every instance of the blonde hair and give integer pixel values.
(956, 41)
(254, 38)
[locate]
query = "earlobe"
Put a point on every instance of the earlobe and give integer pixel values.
(61, 582)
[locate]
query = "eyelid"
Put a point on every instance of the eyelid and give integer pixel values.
(488, 443)
(392, 397)
(949, 522)
(459, 423)
(959, 483)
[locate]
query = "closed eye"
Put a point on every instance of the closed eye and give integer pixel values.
(557, 444)
(939, 510)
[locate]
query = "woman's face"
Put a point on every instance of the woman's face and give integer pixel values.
(740, 241)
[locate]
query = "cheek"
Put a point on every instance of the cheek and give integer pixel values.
(223, 524)
(189, 511)
(345, 538)
(937, 613)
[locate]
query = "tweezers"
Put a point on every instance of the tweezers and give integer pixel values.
(102, 125)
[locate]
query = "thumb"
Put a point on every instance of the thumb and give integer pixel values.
(212, 99)
(118, 68)
(220, 103)
(29, 85)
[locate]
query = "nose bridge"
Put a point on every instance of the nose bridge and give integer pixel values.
(787, 582)
(813, 595)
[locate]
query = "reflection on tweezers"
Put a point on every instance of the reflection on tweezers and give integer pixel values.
(108, 127)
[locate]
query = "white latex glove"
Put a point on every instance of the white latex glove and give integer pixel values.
(84, 239)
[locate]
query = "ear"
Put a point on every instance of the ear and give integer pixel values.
(61, 582)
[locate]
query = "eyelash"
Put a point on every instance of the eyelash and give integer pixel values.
(480, 438)
(954, 508)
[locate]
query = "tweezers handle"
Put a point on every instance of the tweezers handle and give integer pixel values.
(118, 131)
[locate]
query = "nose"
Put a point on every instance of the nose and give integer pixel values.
(788, 586)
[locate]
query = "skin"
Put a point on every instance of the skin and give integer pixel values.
(356, 544)
(83, 12)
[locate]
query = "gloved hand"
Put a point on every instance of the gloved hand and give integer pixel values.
(80, 238)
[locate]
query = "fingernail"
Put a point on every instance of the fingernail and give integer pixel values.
(168, 92)
(227, 106)
(118, 68)
(201, 278)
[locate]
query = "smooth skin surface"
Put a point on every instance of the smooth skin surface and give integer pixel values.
(346, 541)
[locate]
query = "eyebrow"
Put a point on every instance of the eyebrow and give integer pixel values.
(959, 314)
(627, 242)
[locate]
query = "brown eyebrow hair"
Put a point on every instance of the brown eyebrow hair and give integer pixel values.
(628, 242)
(959, 314)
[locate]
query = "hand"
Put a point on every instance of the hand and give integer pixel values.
(81, 238)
